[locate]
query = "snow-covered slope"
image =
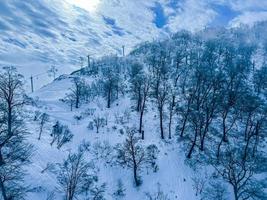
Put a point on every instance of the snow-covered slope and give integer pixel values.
(36, 34)
(173, 176)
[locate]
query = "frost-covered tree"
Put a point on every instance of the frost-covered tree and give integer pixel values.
(60, 134)
(15, 152)
(99, 122)
(144, 94)
(76, 91)
(158, 195)
(42, 120)
(75, 176)
(110, 81)
(215, 190)
(179, 65)
(52, 71)
(161, 100)
(136, 75)
(260, 79)
(158, 61)
(120, 191)
(132, 155)
(242, 159)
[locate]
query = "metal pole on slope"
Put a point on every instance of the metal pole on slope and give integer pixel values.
(88, 57)
(81, 59)
(123, 50)
(32, 83)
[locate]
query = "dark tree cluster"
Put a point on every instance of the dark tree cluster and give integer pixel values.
(60, 135)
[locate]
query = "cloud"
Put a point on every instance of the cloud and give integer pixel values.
(247, 5)
(192, 15)
(248, 18)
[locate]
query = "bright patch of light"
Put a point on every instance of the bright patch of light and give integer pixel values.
(89, 5)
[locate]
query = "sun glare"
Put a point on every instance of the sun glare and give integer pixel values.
(89, 5)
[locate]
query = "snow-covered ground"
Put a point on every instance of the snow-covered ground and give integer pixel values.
(173, 175)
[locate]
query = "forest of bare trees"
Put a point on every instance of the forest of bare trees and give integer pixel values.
(205, 93)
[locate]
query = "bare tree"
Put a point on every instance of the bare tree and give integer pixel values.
(199, 183)
(158, 195)
(60, 134)
(120, 191)
(161, 99)
(52, 71)
(14, 151)
(111, 79)
(136, 75)
(132, 155)
(145, 87)
(74, 176)
(43, 119)
(215, 190)
(76, 92)
(99, 122)
(239, 172)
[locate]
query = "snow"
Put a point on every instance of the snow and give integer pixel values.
(173, 175)
(38, 34)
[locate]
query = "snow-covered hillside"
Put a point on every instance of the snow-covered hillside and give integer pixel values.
(38, 34)
(180, 115)
(173, 176)
(82, 131)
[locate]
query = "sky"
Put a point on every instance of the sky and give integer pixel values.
(168, 14)
(35, 34)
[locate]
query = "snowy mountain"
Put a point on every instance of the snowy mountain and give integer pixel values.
(181, 116)
(178, 118)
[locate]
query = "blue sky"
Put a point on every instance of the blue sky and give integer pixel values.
(225, 12)
(160, 18)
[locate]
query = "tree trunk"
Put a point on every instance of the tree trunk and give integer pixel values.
(143, 134)
(141, 121)
(135, 176)
(2, 162)
(161, 123)
(9, 120)
(170, 127)
(192, 146)
(171, 114)
(202, 139)
(109, 98)
(77, 102)
(183, 127)
(235, 193)
(3, 190)
(2, 186)
(40, 133)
